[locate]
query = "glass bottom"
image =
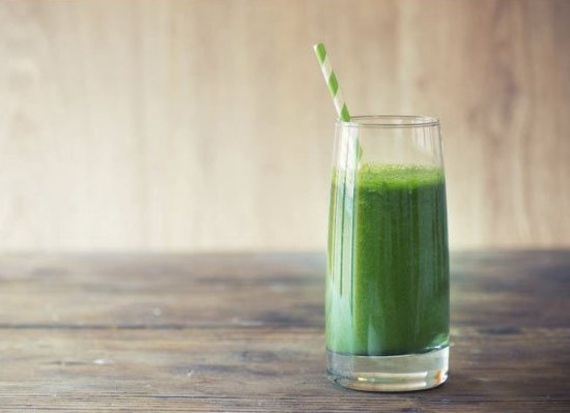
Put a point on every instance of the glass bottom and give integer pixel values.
(389, 373)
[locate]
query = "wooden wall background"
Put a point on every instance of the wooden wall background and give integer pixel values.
(204, 124)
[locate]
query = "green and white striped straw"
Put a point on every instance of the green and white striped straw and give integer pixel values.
(332, 82)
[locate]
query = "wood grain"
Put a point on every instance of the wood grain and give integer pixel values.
(244, 333)
(204, 124)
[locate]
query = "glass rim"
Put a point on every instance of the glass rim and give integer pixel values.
(389, 121)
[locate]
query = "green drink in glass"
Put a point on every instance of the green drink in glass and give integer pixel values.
(387, 294)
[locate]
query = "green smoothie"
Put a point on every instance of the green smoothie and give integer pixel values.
(388, 280)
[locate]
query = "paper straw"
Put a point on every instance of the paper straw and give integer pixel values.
(332, 82)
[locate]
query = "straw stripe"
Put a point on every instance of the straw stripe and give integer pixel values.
(332, 82)
(321, 52)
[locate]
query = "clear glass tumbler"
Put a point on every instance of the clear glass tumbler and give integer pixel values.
(387, 292)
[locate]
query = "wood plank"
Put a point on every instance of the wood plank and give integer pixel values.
(263, 369)
(204, 124)
(157, 290)
(510, 289)
(489, 290)
(244, 332)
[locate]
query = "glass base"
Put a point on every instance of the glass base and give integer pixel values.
(389, 373)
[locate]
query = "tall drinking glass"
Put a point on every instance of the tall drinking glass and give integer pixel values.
(387, 288)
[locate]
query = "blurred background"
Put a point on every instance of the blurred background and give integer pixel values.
(205, 125)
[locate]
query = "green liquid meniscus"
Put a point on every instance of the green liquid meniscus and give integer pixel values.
(388, 265)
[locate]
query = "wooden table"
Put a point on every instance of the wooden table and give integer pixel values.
(244, 332)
